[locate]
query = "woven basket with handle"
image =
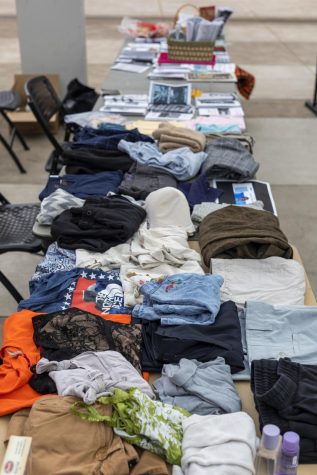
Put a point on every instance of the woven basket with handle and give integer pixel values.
(189, 50)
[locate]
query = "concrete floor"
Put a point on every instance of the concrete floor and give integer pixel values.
(281, 52)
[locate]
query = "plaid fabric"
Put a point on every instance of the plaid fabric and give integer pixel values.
(245, 139)
(228, 158)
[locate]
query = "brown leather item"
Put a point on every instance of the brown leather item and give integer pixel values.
(63, 444)
(245, 233)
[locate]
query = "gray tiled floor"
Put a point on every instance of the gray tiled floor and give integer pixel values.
(280, 54)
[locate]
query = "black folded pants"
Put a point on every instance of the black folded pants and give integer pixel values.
(168, 344)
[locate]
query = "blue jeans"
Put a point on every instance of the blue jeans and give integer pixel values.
(181, 299)
(84, 186)
(182, 162)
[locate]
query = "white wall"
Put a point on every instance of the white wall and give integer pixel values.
(52, 38)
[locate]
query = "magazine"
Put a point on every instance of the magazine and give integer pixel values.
(214, 99)
(130, 67)
(225, 111)
(244, 193)
(211, 76)
(127, 104)
(169, 102)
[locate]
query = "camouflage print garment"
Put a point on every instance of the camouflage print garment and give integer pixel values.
(151, 425)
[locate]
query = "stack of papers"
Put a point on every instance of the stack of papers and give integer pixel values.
(169, 72)
(136, 57)
(219, 104)
(128, 104)
(141, 55)
(214, 99)
(221, 72)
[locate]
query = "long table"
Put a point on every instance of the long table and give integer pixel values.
(128, 83)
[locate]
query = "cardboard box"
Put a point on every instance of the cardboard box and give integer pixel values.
(24, 119)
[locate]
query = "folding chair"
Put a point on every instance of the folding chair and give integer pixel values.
(16, 223)
(10, 101)
(44, 103)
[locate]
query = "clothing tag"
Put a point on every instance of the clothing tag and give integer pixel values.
(16, 457)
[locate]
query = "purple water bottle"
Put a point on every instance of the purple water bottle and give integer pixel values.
(288, 459)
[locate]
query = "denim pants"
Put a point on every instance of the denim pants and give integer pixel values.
(84, 186)
(276, 331)
(182, 162)
(107, 139)
(181, 299)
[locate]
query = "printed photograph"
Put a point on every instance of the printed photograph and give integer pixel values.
(167, 94)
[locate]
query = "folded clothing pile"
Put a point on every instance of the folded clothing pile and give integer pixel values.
(218, 445)
(91, 289)
(54, 204)
(200, 388)
(91, 160)
(141, 180)
(168, 207)
(98, 225)
(61, 441)
(182, 162)
(90, 375)
(66, 334)
(276, 331)
(285, 394)
(106, 139)
(84, 186)
(148, 249)
(56, 259)
(151, 425)
(238, 232)
(153, 247)
(245, 139)
(201, 210)
(199, 191)
(181, 299)
(133, 277)
(275, 280)
(228, 158)
(169, 344)
(171, 137)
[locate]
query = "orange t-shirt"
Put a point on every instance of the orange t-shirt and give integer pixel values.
(19, 353)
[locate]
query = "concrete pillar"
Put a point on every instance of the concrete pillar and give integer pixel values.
(52, 38)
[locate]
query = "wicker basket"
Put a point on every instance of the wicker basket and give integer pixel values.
(189, 50)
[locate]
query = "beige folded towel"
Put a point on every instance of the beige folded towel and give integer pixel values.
(171, 137)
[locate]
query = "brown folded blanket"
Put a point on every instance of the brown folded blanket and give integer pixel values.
(245, 233)
(171, 137)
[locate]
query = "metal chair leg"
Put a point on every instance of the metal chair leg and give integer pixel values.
(10, 287)
(13, 154)
(15, 130)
